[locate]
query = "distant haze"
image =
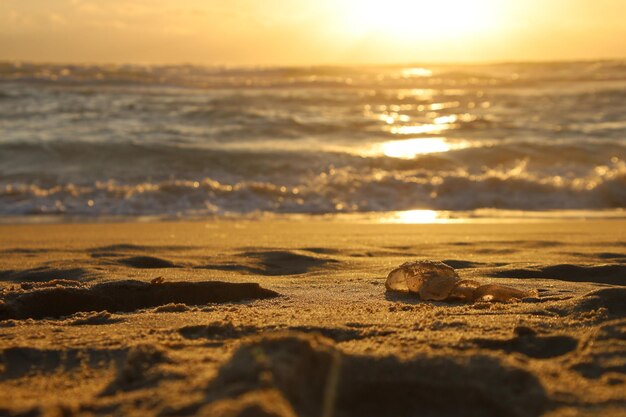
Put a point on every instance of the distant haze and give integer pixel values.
(305, 32)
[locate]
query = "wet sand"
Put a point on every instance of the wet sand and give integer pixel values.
(269, 318)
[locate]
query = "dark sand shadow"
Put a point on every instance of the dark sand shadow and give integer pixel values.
(226, 330)
(613, 274)
(527, 342)
(42, 274)
(20, 361)
(124, 296)
(273, 263)
(147, 262)
(406, 298)
(461, 264)
(600, 256)
(126, 248)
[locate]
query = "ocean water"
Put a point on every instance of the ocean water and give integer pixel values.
(179, 141)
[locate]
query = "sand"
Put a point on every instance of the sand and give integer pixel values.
(271, 318)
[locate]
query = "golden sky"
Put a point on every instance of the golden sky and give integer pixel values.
(304, 32)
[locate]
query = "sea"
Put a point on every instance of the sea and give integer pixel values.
(187, 141)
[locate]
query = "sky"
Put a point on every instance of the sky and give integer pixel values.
(310, 32)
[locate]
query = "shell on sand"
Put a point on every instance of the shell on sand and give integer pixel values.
(429, 279)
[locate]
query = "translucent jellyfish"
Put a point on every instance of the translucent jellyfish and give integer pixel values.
(500, 293)
(432, 280)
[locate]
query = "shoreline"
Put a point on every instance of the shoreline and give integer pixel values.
(417, 216)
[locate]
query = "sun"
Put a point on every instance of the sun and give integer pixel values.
(421, 19)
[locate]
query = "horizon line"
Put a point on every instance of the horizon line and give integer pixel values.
(319, 65)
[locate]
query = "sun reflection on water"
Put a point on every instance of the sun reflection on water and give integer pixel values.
(419, 129)
(410, 148)
(417, 72)
(415, 217)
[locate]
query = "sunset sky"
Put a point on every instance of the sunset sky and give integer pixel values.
(303, 32)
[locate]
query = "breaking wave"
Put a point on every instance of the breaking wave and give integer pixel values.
(182, 140)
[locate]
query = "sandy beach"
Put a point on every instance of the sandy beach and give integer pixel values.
(271, 318)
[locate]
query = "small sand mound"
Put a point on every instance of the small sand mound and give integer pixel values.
(172, 308)
(124, 296)
(92, 319)
(300, 367)
(48, 284)
(613, 299)
(317, 379)
(216, 330)
(337, 334)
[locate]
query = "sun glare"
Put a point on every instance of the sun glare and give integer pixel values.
(410, 148)
(423, 19)
(414, 217)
